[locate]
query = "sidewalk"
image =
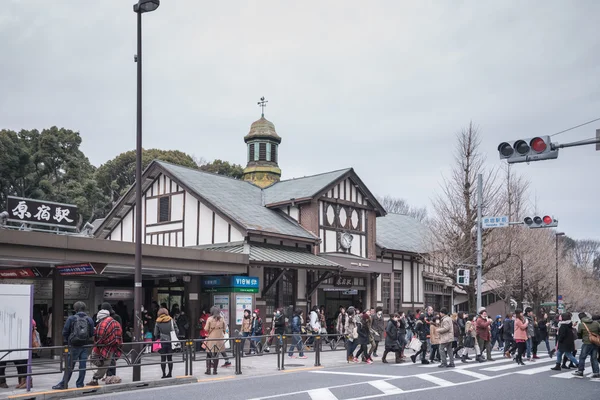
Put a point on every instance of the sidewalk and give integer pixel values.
(251, 366)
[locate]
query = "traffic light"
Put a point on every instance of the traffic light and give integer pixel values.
(540, 222)
(463, 276)
(526, 150)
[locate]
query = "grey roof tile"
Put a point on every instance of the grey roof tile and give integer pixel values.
(401, 233)
(299, 188)
(264, 253)
(239, 200)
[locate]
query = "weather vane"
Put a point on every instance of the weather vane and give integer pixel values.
(262, 103)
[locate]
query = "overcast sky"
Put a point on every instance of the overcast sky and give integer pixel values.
(379, 86)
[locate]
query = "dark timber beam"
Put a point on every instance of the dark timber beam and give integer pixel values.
(273, 283)
(310, 290)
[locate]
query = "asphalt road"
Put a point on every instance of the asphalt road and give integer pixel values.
(502, 379)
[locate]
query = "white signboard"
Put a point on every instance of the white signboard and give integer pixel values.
(15, 320)
(222, 302)
(242, 302)
(494, 222)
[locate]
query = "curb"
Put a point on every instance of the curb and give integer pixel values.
(104, 389)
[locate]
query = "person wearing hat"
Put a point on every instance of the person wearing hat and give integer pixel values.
(108, 339)
(482, 327)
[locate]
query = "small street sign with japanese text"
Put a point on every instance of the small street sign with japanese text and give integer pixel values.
(494, 222)
(39, 212)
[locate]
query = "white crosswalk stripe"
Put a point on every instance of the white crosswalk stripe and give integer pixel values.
(533, 371)
(434, 379)
(321, 394)
(385, 387)
(515, 365)
(472, 374)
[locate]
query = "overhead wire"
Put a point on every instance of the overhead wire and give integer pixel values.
(575, 127)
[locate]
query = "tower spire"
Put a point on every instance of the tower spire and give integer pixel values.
(262, 104)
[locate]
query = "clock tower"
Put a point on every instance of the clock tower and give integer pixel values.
(263, 152)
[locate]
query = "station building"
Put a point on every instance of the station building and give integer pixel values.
(260, 242)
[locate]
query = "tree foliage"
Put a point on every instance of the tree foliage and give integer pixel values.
(224, 168)
(48, 165)
(116, 176)
(400, 206)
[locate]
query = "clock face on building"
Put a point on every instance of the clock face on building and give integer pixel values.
(346, 240)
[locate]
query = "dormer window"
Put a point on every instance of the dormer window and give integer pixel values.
(164, 209)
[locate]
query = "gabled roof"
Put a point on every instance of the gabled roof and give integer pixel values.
(308, 187)
(302, 188)
(239, 201)
(401, 233)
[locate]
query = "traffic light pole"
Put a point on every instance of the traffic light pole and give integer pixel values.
(479, 245)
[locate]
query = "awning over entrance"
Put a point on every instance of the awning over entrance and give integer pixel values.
(265, 254)
(23, 248)
(352, 263)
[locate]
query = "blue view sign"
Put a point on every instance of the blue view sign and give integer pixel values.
(247, 284)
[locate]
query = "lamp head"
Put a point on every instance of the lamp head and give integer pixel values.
(144, 6)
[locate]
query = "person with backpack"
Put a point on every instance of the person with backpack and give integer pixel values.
(588, 330)
(77, 333)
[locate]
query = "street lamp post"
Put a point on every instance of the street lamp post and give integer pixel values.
(557, 234)
(141, 7)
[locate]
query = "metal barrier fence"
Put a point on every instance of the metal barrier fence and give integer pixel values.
(190, 351)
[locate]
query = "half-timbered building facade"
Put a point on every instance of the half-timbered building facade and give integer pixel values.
(316, 240)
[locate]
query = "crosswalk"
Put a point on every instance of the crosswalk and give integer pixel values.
(424, 377)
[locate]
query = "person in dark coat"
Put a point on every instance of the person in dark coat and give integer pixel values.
(364, 331)
(391, 338)
(566, 342)
(508, 329)
(543, 326)
(421, 331)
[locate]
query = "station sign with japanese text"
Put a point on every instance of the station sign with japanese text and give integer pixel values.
(495, 222)
(76, 269)
(41, 212)
(343, 281)
(20, 273)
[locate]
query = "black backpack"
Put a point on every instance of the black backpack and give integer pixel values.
(80, 333)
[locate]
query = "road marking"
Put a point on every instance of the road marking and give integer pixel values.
(515, 365)
(564, 375)
(221, 378)
(472, 374)
(434, 379)
(357, 374)
(302, 369)
(321, 394)
(533, 371)
(385, 387)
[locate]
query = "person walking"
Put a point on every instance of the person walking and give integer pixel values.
(421, 333)
(296, 329)
(434, 339)
(246, 330)
(482, 326)
(470, 341)
(544, 326)
(530, 331)
(445, 333)
(460, 321)
(162, 330)
(566, 342)
(215, 328)
(520, 335)
(78, 332)
(351, 332)
(108, 339)
(364, 333)
(508, 331)
(586, 328)
(256, 331)
(391, 338)
(497, 332)
(378, 323)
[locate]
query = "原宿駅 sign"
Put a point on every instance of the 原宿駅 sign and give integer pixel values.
(41, 212)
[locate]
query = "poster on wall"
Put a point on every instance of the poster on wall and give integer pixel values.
(15, 320)
(242, 302)
(222, 301)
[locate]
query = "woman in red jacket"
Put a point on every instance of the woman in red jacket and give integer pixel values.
(520, 335)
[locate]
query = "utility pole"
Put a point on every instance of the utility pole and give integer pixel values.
(479, 249)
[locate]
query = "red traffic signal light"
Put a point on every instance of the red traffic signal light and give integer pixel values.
(538, 145)
(547, 220)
